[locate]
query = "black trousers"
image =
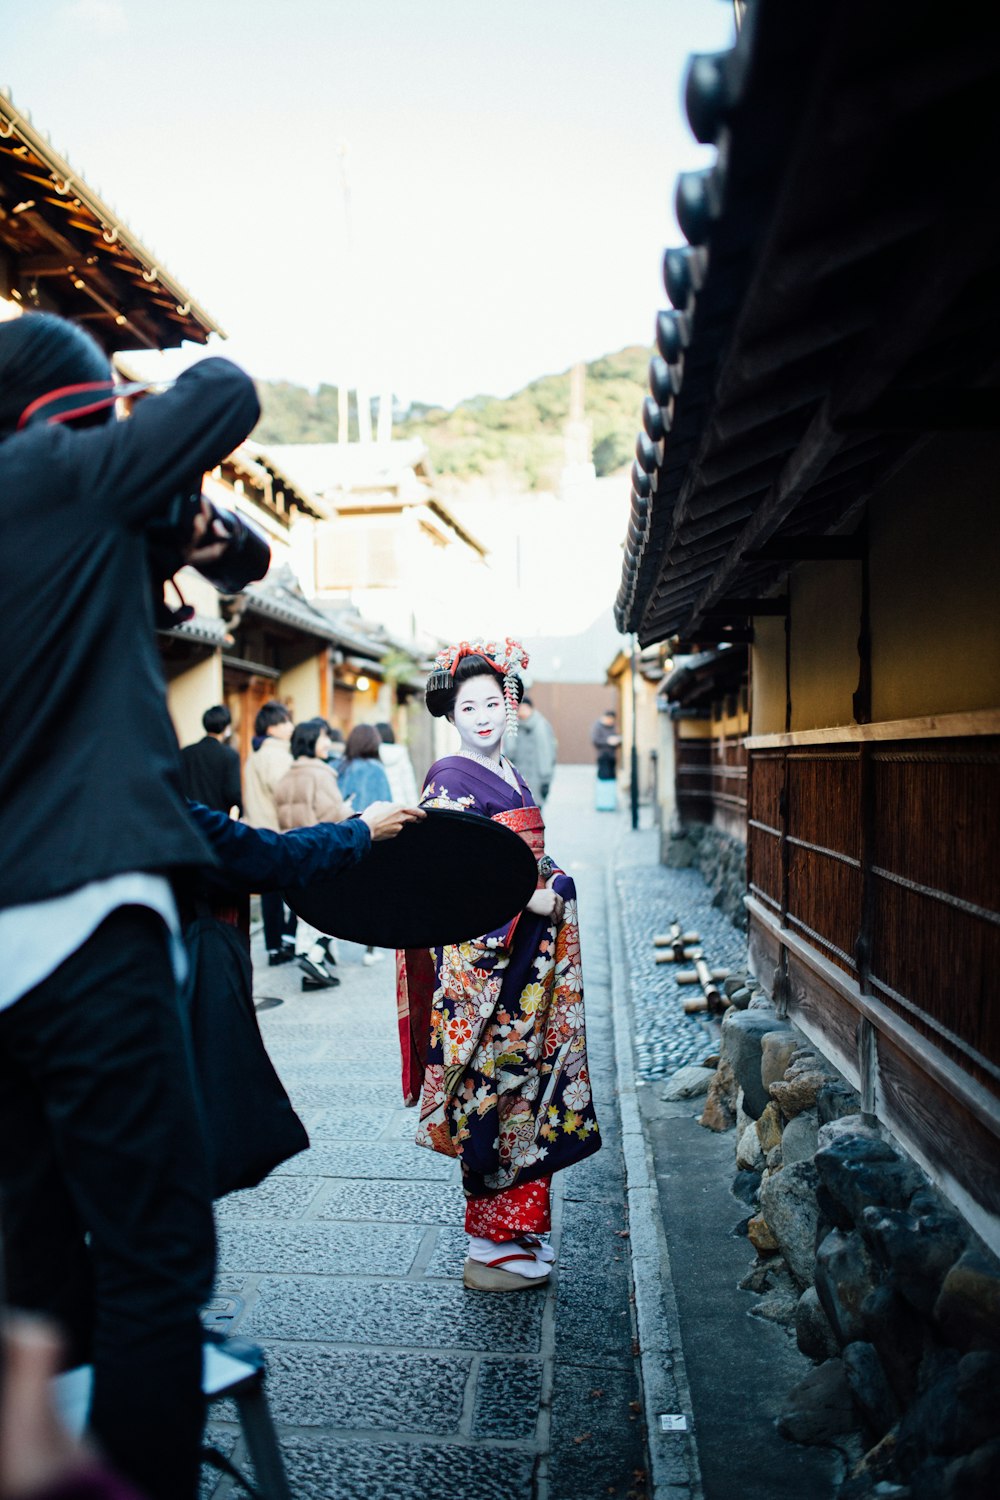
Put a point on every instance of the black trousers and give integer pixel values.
(101, 1136)
(279, 922)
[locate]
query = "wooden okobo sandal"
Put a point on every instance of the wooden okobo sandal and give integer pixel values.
(490, 1275)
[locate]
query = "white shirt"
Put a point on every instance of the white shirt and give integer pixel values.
(37, 937)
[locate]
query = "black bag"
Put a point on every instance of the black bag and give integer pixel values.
(249, 1120)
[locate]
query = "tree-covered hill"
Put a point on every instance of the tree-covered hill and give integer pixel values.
(517, 440)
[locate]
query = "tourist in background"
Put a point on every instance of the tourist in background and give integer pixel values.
(265, 768)
(535, 749)
(606, 740)
(210, 769)
(308, 794)
(398, 767)
(362, 777)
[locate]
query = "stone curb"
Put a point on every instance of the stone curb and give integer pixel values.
(675, 1473)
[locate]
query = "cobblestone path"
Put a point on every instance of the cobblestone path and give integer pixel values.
(650, 898)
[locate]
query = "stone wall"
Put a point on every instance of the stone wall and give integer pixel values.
(869, 1268)
(721, 859)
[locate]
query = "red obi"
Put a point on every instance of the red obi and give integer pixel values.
(527, 823)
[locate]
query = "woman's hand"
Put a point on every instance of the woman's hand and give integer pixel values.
(386, 819)
(547, 903)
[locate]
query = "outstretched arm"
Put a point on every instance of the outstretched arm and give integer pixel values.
(256, 859)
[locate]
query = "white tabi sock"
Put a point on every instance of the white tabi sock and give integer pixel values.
(490, 1250)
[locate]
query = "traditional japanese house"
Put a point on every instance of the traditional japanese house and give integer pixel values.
(816, 480)
(64, 250)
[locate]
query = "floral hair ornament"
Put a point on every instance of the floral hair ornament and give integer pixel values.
(506, 659)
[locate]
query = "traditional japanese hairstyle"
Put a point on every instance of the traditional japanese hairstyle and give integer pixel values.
(456, 664)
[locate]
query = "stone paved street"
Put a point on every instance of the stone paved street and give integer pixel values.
(386, 1377)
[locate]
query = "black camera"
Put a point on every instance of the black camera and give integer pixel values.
(245, 559)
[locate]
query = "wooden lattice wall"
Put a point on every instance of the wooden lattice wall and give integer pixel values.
(879, 861)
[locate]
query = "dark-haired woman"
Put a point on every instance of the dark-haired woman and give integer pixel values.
(362, 778)
(492, 1031)
(308, 793)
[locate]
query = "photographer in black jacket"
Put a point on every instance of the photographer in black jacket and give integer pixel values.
(99, 1132)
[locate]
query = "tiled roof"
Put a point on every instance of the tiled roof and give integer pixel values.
(836, 302)
(61, 237)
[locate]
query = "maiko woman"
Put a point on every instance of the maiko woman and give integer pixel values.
(492, 1030)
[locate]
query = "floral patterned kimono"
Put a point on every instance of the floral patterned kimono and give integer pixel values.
(492, 1033)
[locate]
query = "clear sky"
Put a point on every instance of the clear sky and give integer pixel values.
(510, 164)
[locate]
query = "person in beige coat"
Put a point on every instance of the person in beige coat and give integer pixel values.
(265, 768)
(308, 794)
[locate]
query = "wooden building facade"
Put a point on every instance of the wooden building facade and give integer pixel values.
(817, 479)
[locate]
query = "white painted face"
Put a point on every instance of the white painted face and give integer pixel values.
(480, 715)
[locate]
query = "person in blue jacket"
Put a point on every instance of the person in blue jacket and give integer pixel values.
(362, 778)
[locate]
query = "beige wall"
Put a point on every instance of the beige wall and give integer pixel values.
(934, 566)
(935, 571)
(189, 695)
(767, 676)
(694, 729)
(301, 688)
(825, 603)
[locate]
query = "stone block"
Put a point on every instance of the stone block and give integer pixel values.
(918, 1249)
(719, 1113)
(799, 1138)
(835, 1100)
(745, 1187)
(740, 998)
(496, 1414)
(898, 1336)
(799, 1087)
(397, 1313)
(760, 1235)
(760, 1003)
(844, 1126)
(312, 1248)
(769, 1128)
(820, 1408)
(788, 1203)
(844, 1277)
(975, 1475)
(778, 1306)
(312, 1386)
(978, 1394)
(596, 1443)
(870, 1387)
(930, 1426)
(776, 1051)
(813, 1333)
(749, 1156)
(861, 1169)
(742, 1037)
(360, 1470)
(392, 1202)
(282, 1198)
(690, 1082)
(967, 1311)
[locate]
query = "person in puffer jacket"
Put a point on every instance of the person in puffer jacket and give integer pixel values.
(307, 794)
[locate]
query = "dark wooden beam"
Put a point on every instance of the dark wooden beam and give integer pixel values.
(807, 549)
(928, 411)
(49, 265)
(745, 608)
